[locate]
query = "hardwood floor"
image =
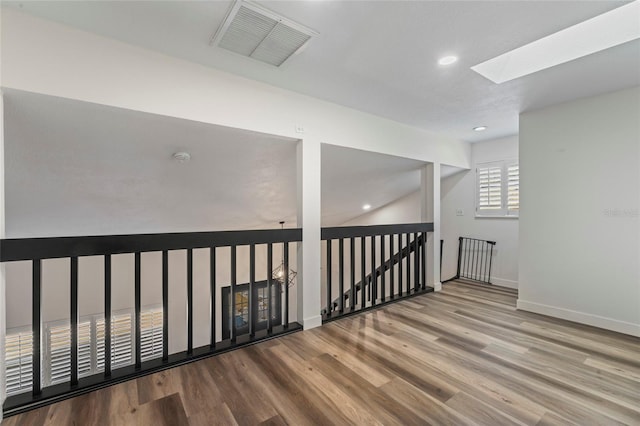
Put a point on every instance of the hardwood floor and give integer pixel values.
(460, 356)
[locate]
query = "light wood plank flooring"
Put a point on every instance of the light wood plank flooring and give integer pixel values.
(460, 356)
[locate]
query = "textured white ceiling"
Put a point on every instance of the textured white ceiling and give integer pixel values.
(381, 56)
(76, 168)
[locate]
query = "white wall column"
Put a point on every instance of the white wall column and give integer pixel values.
(3, 322)
(309, 255)
(430, 212)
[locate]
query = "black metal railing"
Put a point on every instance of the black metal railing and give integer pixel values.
(37, 250)
(375, 265)
(475, 258)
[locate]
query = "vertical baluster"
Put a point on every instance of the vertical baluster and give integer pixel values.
(459, 256)
(165, 305)
(483, 247)
(441, 256)
(383, 286)
(73, 316)
(286, 284)
(107, 315)
(400, 260)
(476, 252)
(363, 272)
(466, 264)
(36, 323)
(374, 276)
(341, 277)
(329, 260)
(252, 284)
(423, 252)
(490, 261)
(483, 251)
(212, 293)
(470, 260)
(416, 262)
(392, 267)
(232, 305)
(486, 262)
(189, 301)
(469, 265)
(137, 308)
(408, 236)
(269, 290)
(478, 260)
(353, 299)
(464, 256)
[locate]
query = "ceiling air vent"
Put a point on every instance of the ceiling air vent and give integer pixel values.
(253, 31)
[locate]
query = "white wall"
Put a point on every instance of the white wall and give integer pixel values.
(45, 57)
(580, 200)
(458, 192)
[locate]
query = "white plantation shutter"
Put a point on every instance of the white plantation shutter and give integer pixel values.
(99, 360)
(498, 189)
(513, 189)
(58, 352)
(489, 180)
(57, 357)
(151, 334)
(18, 362)
(121, 340)
(85, 345)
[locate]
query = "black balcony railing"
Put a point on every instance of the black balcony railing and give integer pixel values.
(366, 266)
(275, 321)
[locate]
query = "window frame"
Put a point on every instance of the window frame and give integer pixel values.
(503, 212)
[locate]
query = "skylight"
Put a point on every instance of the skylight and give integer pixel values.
(602, 32)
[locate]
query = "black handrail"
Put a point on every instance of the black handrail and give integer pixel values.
(337, 232)
(38, 249)
(15, 249)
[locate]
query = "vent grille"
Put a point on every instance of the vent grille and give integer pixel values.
(255, 32)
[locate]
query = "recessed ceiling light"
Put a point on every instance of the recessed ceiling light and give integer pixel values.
(366, 207)
(480, 128)
(182, 157)
(602, 32)
(448, 60)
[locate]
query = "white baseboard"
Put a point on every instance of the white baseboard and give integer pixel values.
(313, 322)
(437, 286)
(580, 317)
(505, 283)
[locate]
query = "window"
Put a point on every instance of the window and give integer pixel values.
(151, 334)
(121, 340)
(18, 361)
(56, 357)
(498, 189)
